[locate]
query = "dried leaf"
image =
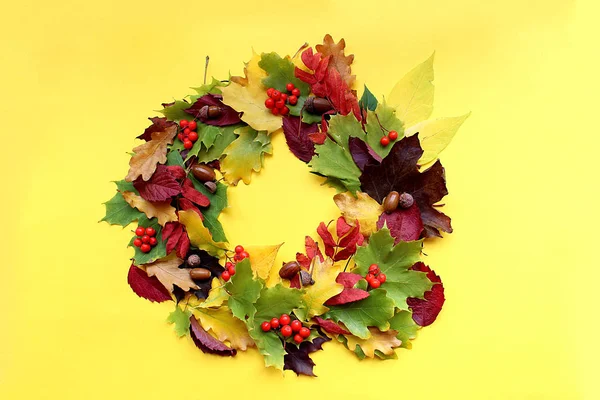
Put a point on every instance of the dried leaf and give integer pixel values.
(161, 210)
(207, 343)
(158, 125)
(168, 273)
(151, 153)
(216, 296)
(330, 326)
(339, 60)
(189, 192)
(177, 239)
(361, 208)
(348, 295)
(146, 286)
(262, 260)
(362, 153)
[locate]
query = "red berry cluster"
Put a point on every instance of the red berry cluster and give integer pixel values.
(240, 254)
(145, 239)
(391, 136)
(277, 101)
(288, 328)
(375, 278)
(188, 134)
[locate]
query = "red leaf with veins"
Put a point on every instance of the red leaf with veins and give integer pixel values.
(185, 204)
(330, 326)
(327, 239)
(148, 287)
(228, 115)
(342, 227)
(297, 135)
(348, 279)
(312, 248)
(176, 171)
(348, 295)
(177, 239)
(206, 342)
(404, 224)
(303, 260)
(189, 192)
(158, 125)
(160, 187)
(425, 311)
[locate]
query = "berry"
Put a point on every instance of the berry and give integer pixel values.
(187, 144)
(290, 86)
(280, 104)
(369, 277)
(150, 231)
(137, 242)
(275, 111)
(298, 339)
(153, 242)
(269, 103)
(228, 264)
(384, 141)
(140, 231)
(286, 330)
(237, 257)
(304, 332)
(186, 131)
(270, 91)
(145, 239)
(296, 92)
(193, 136)
(244, 254)
(284, 319)
(145, 248)
(265, 326)
(296, 325)
(375, 283)
(274, 323)
(393, 135)
(180, 136)
(284, 97)
(231, 270)
(293, 100)
(374, 269)
(276, 95)
(239, 249)
(192, 125)
(382, 278)
(284, 110)
(225, 275)
(184, 123)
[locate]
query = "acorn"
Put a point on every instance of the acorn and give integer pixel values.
(200, 274)
(203, 172)
(306, 278)
(210, 112)
(194, 260)
(211, 186)
(317, 105)
(406, 200)
(390, 203)
(289, 270)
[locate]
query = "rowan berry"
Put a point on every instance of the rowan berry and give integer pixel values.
(284, 319)
(384, 141)
(265, 326)
(393, 135)
(274, 323)
(290, 86)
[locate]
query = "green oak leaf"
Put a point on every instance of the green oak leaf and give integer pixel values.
(176, 111)
(119, 212)
(245, 154)
(333, 161)
(406, 327)
(181, 321)
(375, 310)
(243, 290)
(368, 100)
(158, 251)
(379, 123)
(384, 356)
(220, 143)
(275, 301)
(342, 127)
(218, 201)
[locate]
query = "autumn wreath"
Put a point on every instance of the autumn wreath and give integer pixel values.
(361, 282)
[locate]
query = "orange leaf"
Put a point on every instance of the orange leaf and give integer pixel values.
(151, 153)
(161, 210)
(339, 60)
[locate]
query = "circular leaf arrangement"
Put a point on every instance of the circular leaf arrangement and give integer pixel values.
(360, 280)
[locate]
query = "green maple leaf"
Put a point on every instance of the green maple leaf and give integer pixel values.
(181, 321)
(375, 310)
(243, 290)
(342, 127)
(333, 161)
(176, 111)
(268, 344)
(379, 123)
(368, 100)
(227, 135)
(406, 327)
(174, 158)
(213, 88)
(280, 72)
(158, 251)
(245, 154)
(395, 263)
(218, 201)
(275, 301)
(119, 212)
(124, 186)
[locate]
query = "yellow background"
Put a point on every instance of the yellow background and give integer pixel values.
(78, 80)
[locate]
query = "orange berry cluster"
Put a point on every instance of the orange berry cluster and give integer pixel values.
(145, 239)
(375, 278)
(288, 328)
(188, 134)
(277, 101)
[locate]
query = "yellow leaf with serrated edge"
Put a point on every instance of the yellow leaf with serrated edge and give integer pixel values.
(262, 260)
(216, 296)
(163, 211)
(248, 95)
(168, 273)
(413, 94)
(362, 208)
(435, 135)
(146, 156)
(385, 342)
(245, 155)
(225, 326)
(325, 287)
(199, 235)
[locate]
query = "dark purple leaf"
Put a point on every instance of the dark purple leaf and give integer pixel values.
(228, 115)
(404, 224)
(207, 343)
(148, 287)
(297, 135)
(298, 359)
(426, 310)
(158, 125)
(160, 187)
(362, 153)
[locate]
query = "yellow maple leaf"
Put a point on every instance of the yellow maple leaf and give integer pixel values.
(163, 211)
(168, 273)
(248, 95)
(325, 287)
(149, 154)
(385, 342)
(199, 235)
(225, 326)
(216, 296)
(244, 155)
(262, 260)
(362, 208)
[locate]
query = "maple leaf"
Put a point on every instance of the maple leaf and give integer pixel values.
(275, 301)
(243, 291)
(269, 345)
(262, 261)
(379, 123)
(361, 209)
(332, 161)
(339, 60)
(168, 273)
(404, 224)
(161, 186)
(435, 135)
(362, 153)
(175, 111)
(177, 239)
(405, 327)
(148, 155)
(385, 342)
(218, 201)
(158, 125)
(343, 127)
(213, 149)
(228, 115)
(426, 310)
(248, 95)
(367, 101)
(394, 261)
(225, 326)
(216, 296)
(146, 286)
(213, 87)
(206, 342)
(399, 172)
(297, 358)
(199, 235)
(163, 211)
(297, 135)
(325, 287)
(244, 155)
(412, 96)
(330, 326)
(181, 320)
(119, 212)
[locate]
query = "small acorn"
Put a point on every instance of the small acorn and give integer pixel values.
(211, 186)
(390, 203)
(317, 105)
(203, 172)
(289, 270)
(200, 274)
(306, 278)
(194, 260)
(406, 200)
(210, 112)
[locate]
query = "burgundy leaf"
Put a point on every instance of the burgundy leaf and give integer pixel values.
(185, 204)
(297, 135)
(176, 171)
(399, 171)
(228, 115)
(190, 193)
(298, 358)
(426, 310)
(348, 295)
(206, 342)
(362, 153)
(352, 237)
(342, 227)
(327, 239)
(404, 224)
(148, 287)
(348, 279)
(295, 281)
(183, 245)
(330, 326)
(177, 239)
(160, 187)
(158, 125)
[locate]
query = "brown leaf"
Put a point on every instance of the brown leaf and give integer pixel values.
(338, 60)
(151, 153)
(161, 210)
(168, 273)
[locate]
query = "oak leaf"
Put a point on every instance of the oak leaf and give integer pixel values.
(362, 209)
(385, 342)
(168, 273)
(163, 211)
(245, 155)
(339, 60)
(180, 320)
(146, 156)
(225, 326)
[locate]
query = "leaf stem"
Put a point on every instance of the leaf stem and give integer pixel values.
(206, 68)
